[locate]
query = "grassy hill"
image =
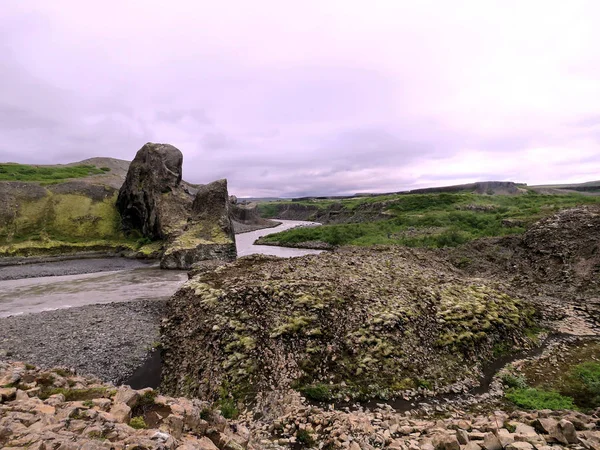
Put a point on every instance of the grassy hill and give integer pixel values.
(419, 220)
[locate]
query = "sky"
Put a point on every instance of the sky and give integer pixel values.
(291, 98)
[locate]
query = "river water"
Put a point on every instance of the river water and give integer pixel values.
(142, 281)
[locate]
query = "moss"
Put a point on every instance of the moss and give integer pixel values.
(58, 223)
(201, 234)
(72, 395)
(138, 423)
(292, 325)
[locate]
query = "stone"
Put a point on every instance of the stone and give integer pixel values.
(462, 436)
(445, 442)
(121, 412)
(7, 394)
(174, 425)
(209, 234)
(472, 446)
(519, 446)
(565, 432)
(545, 426)
(126, 395)
(103, 404)
(491, 442)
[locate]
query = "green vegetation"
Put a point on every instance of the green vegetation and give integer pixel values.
(23, 172)
(305, 438)
(429, 220)
(147, 399)
(532, 398)
(318, 392)
(138, 423)
(574, 382)
(228, 408)
(72, 395)
(583, 384)
(62, 223)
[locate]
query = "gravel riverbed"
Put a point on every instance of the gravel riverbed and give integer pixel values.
(107, 340)
(49, 267)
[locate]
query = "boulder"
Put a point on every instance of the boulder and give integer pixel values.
(565, 432)
(208, 234)
(445, 442)
(152, 200)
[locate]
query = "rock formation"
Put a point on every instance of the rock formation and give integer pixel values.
(208, 233)
(354, 322)
(152, 200)
(246, 218)
(157, 204)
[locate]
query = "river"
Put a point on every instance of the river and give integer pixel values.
(140, 281)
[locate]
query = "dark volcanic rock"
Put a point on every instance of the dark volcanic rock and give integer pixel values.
(152, 200)
(208, 233)
(360, 321)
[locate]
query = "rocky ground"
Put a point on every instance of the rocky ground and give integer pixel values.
(58, 409)
(109, 341)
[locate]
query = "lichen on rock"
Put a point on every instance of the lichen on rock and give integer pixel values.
(362, 322)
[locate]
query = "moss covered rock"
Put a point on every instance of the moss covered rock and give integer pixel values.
(208, 233)
(356, 322)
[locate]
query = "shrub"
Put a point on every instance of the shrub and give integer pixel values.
(531, 398)
(305, 438)
(514, 381)
(583, 384)
(318, 392)
(138, 423)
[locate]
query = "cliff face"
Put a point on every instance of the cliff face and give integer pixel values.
(91, 213)
(207, 234)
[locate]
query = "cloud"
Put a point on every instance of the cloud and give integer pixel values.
(318, 97)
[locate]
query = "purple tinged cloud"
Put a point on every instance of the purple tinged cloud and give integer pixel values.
(313, 97)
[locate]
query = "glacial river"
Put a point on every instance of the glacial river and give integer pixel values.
(141, 281)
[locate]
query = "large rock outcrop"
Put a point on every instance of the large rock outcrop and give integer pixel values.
(155, 203)
(209, 232)
(152, 200)
(354, 322)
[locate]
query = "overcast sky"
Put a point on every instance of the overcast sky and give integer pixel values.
(288, 98)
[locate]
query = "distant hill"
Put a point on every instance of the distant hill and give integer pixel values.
(591, 187)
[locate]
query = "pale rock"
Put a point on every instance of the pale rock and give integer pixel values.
(126, 395)
(103, 404)
(462, 436)
(445, 442)
(174, 425)
(491, 442)
(472, 446)
(519, 446)
(565, 432)
(121, 412)
(545, 425)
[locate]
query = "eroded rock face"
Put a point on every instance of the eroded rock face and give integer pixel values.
(355, 322)
(152, 201)
(208, 234)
